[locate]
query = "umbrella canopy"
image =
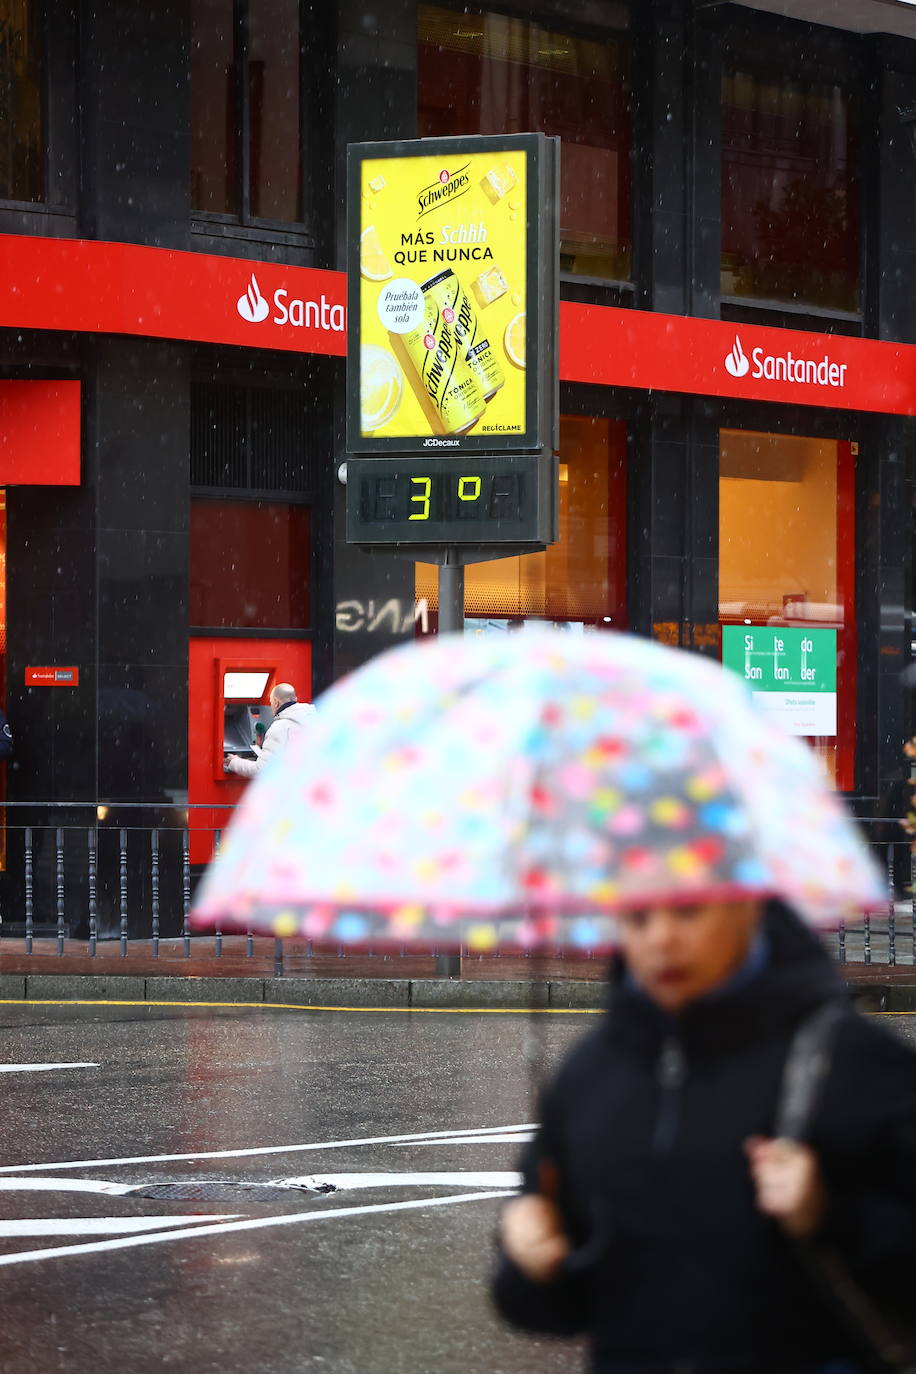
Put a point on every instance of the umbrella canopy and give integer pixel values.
(515, 791)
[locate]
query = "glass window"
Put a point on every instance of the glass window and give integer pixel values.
(250, 565)
(580, 580)
(22, 138)
(790, 220)
(787, 583)
(214, 107)
(486, 73)
(274, 103)
(246, 109)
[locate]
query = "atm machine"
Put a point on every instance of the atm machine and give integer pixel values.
(246, 712)
(230, 681)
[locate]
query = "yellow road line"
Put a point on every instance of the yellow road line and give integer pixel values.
(295, 1006)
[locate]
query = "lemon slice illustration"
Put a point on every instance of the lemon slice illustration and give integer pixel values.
(380, 387)
(373, 264)
(514, 339)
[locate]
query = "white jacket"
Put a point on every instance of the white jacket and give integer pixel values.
(276, 737)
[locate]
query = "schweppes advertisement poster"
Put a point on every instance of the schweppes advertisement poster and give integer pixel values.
(443, 280)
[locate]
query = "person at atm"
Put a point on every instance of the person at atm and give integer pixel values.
(290, 715)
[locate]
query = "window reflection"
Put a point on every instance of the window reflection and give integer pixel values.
(274, 92)
(790, 222)
(21, 123)
(247, 157)
(787, 560)
(487, 73)
(214, 108)
(250, 565)
(582, 578)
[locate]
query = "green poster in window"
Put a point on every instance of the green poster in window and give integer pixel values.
(792, 672)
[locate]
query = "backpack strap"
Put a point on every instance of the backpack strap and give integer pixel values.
(807, 1069)
(804, 1079)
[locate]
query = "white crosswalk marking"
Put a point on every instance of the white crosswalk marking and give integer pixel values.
(46, 1068)
(254, 1224)
(103, 1226)
(481, 1134)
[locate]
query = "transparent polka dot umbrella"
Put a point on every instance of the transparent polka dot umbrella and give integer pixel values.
(515, 792)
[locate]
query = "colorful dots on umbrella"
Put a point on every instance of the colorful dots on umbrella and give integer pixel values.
(724, 818)
(318, 922)
(702, 787)
(603, 802)
(405, 919)
(604, 893)
(482, 937)
(585, 934)
(634, 776)
(543, 800)
(638, 859)
(577, 780)
(350, 927)
(629, 820)
(286, 923)
(670, 813)
(607, 747)
(749, 872)
(426, 869)
(709, 849)
(685, 862)
(582, 708)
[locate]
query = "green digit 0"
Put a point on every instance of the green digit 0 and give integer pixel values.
(468, 488)
(421, 498)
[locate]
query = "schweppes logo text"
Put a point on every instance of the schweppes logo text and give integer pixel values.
(447, 187)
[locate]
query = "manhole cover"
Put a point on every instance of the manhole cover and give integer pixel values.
(217, 1192)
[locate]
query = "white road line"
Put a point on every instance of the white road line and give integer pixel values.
(255, 1224)
(44, 1068)
(314, 1182)
(457, 1179)
(102, 1226)
(429, 1137)
(516, 1138)
(66, 1185)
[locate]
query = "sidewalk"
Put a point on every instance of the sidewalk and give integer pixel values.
(400, 981)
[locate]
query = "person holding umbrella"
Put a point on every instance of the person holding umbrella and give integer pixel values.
(659, 1212)
(597, 794)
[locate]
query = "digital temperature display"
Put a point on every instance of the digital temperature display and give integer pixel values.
(469, 500)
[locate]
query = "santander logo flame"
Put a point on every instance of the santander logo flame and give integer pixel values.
(252, 306)
(736, 361)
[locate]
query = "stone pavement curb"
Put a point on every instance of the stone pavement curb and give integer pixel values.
(428, 994)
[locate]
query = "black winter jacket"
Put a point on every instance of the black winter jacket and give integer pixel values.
(673, 1267)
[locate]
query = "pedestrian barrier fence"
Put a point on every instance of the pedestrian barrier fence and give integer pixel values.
(84, 875)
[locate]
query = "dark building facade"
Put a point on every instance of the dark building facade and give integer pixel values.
(166, 173)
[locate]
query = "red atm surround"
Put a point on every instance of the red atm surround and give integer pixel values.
(212, 793)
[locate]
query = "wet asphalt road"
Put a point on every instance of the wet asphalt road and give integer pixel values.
(349, 1282)
(331, 1289)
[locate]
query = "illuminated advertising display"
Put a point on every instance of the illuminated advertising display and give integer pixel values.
(452, 296)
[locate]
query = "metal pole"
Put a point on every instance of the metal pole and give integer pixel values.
(451, 621)
(451, 595)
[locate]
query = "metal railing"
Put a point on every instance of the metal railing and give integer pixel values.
(88, 874)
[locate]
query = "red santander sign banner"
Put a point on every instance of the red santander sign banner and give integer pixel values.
(123, 288)
(711, 358)
(119, 288)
